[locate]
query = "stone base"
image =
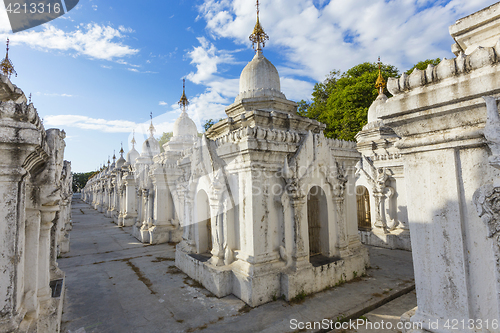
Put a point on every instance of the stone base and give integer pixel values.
(408, 326)
(136, 231)
(141, 234)
(415, 322)
(159, 234)
(120, 221)
(49, 316)
(218, 280)
(256, 284)
(64, 244)
(14, 324)
(114, 216)
(129, 220)
(309, 279)
(396, 240)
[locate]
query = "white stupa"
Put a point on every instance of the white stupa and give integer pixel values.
(121, 161)
(150, 147)
(133, 154)
(185, 131)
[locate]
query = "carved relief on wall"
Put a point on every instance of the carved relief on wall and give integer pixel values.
(492, 130)
(338, 180)
(487, 202)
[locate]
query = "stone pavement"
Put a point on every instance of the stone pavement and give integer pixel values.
(117, 284)
(384, 319)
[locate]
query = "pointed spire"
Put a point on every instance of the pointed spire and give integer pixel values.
(380, 83)
(258, 35)
(151, 127)
(114, 156)
(121, 150)
(29, 99)
(133, 142)
(183, 102)
(6, 65)
(108, 161)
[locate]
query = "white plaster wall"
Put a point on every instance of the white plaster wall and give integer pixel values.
(481, 269)
(436, 235)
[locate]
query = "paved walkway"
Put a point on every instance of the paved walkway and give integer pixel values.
(116, 284)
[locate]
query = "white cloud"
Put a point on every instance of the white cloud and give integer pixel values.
(316, 37)
(295, 89)
(206, 58)
(92, 40)
(163, 103)
(4, 20)
(124, 29)
(140, 131)
(108, 126)
(135, 70)
(84, 122)
(58, 95)
(219, 91)
(208, 105)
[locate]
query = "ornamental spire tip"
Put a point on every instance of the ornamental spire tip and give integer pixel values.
(183, 102)
(380, 83)
(258, 35)
(6, 66)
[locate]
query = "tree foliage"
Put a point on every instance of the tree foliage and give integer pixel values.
(423, 64)
(342, 100)
(80, 179)
(165, 137)
(210, 122)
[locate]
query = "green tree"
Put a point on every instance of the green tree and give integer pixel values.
(423, 64)
(80, 179)
(165, 137)
(210, 122)
(342, 101)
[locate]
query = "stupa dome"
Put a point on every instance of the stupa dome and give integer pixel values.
(184, 126)
(120, 162)
(260, 78)
(150, 147)
(132, 155)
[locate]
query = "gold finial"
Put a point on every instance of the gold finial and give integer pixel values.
(258, 35)
(183, 102)
(121, 150)
(6, 65)
(108, 161)
(133, 142)
(151, 127)
(114, 157)
(380, 83)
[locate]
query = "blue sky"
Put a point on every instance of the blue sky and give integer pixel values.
(98, 71)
